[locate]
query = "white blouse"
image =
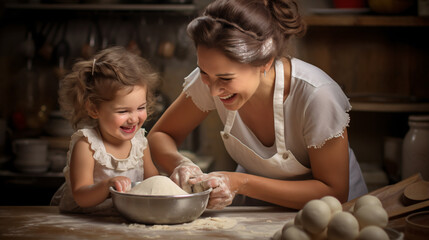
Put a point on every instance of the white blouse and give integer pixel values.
(315, 111)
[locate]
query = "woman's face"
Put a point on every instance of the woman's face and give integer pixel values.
(233, 82)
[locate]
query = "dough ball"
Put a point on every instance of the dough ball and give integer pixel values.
(295, 233)
(333, 203)
(315, 216)
(287, 225)
(321, 236)
(373, 232)
(343, 226)
(298, 218)
(367, 200)
(277, 235)
(157, 185)
(371, 215)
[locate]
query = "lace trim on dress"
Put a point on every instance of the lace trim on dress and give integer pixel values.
(339, 133)
(138, 144)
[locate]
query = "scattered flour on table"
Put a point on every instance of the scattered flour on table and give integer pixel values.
(210, 223)
(157, 185)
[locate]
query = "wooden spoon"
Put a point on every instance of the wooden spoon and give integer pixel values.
(416, 192)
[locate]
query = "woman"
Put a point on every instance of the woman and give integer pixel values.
(284, 120)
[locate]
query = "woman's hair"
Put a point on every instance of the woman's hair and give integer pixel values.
(248, 31)
(94, 81)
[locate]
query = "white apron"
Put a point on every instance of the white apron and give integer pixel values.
(283, 164)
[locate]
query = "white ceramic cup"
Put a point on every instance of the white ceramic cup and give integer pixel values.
(30, 150)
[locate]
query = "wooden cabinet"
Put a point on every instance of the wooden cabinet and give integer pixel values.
(381, 63)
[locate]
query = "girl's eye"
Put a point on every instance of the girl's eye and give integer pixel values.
(142, 108)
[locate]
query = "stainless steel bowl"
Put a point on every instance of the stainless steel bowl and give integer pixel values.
(154, 209)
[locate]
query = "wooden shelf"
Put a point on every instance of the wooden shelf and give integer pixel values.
(104, 7)
(367, 21)
(389, 107)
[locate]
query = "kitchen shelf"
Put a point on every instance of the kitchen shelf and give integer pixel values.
(367, 21)
(389, 107)
(104, 7)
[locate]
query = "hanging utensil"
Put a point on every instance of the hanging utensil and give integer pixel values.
(88, 49)
(45, 51)
(62, 51)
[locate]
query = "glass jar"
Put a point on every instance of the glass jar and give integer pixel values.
(415, 149)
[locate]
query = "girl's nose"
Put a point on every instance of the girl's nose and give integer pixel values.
(133, 117)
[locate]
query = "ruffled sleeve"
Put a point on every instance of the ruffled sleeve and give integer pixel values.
(326, 115)
(139, 143)
(198, 91)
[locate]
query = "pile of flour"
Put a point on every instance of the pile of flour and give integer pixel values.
(157, 185)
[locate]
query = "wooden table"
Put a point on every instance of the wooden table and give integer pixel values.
(45, 222)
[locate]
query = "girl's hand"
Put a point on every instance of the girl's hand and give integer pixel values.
(222, 194)
(185, 171)
(120, 183)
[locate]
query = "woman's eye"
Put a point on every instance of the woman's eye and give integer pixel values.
(226, 79)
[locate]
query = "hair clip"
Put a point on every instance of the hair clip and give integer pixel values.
(93, 66)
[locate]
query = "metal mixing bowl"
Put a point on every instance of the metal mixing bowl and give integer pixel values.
(154, 209)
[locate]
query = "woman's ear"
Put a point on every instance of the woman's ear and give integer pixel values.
(91, 109)
(267, 66)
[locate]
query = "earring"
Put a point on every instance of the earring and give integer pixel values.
(265, 73)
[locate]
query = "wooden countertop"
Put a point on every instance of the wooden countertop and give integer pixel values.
(45, 222)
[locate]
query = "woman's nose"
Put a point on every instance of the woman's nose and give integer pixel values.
(215, 88)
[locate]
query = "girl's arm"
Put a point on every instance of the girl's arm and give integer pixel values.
(171, 130)
(85, 192)
(330, 168)
(148, 166)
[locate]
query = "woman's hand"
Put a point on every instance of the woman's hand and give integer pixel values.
(185, 171)
(120, 183)
(223, 191)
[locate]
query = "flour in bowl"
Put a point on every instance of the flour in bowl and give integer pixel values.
(157, 185)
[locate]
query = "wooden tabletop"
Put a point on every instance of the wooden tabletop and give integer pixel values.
(45, 222)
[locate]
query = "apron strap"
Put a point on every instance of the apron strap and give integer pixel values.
(230, 117)
(278, 108)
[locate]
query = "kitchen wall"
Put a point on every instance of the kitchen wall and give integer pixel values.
(361, 59)
(28, 116)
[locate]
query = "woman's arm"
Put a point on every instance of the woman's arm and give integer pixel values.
(330, 168)
(85, 192)
(171, 130)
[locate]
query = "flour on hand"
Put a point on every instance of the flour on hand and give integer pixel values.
(157, 185)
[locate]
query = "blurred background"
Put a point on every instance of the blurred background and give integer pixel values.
(375, 49)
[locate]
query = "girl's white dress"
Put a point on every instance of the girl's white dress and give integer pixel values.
(106, 166)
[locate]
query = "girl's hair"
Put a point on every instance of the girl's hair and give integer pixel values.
(248, 31)
(92, 82)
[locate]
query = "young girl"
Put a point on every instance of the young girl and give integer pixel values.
(108, 99)
(285, 120)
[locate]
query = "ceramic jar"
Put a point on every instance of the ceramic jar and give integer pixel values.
(415, 149)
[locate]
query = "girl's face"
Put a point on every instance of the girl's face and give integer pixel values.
(233, 82)
(121, 118)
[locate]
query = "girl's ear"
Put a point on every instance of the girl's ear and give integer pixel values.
(91, 109)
